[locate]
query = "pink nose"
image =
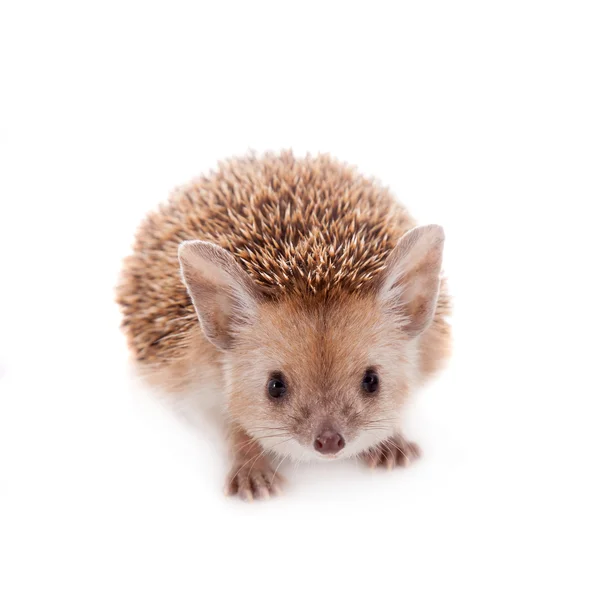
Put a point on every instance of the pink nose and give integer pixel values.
(329, 442)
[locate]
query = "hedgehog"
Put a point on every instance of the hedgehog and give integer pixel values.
(306, 295)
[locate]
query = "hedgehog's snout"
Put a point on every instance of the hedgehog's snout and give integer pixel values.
(329, 442)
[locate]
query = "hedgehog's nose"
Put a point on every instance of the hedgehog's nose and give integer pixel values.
(329, 442)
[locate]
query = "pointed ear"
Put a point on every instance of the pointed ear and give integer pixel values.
(224, 296)
(411, 280)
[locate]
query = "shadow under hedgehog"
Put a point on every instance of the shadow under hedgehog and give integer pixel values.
(305, 288)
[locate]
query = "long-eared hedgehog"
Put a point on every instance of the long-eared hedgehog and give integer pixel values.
(305, 294)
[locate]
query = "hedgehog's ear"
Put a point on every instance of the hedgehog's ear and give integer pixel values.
(224, 296)
(411, 280)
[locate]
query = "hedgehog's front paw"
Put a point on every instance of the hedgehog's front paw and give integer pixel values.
(393, 452)
(254, 480)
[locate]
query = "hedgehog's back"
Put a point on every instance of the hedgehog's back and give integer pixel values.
(309, 226)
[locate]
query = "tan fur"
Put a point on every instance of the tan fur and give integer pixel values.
(323, 350)
(317, 244)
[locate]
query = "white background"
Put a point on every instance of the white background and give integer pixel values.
(481, 116)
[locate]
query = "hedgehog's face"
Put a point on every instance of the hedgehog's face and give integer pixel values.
(316, 379)
(321, 381)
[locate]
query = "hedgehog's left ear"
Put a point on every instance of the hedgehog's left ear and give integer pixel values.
(224, 295)
(411, 280)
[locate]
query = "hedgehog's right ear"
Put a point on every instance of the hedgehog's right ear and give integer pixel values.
(224, 296)
(411, 280)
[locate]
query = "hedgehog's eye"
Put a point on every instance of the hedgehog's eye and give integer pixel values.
(276, 386)
(370, 382)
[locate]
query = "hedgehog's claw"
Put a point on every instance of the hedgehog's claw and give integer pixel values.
(254, 481)
(393, 452)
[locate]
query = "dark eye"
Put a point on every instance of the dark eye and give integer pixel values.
(370, 382)
(276, 386)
